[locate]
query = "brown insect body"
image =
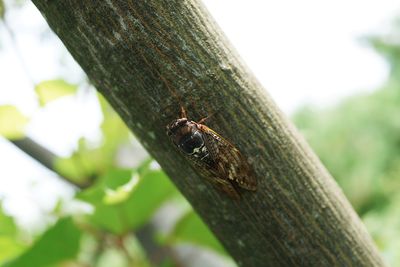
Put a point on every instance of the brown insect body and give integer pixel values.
(219, 160)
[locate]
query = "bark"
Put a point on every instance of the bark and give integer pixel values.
(151, 57)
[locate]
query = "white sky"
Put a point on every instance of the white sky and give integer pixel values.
(302, 51)
(308, 50)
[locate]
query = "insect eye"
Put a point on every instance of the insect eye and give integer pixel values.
(190, 142)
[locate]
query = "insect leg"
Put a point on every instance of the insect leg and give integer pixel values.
(201, 121)
(183, 112)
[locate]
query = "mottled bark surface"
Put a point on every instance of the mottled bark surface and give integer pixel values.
(149, 58)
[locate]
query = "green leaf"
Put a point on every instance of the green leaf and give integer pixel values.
(71, 169)
(84, 163)
(113, 257)
(151, 192)
(9, 246)
(12, 122)
(191, 229)
(122, 193)
(57, 244)
(106, 216)
(113, 128)
(2, 10)
(7, 225)
(53, 89)
(125, 200)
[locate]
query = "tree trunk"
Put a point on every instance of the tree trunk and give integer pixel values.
(149, 58)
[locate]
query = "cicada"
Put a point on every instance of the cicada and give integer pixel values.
(219, 161)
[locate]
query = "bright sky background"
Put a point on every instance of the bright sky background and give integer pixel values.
(302, 51)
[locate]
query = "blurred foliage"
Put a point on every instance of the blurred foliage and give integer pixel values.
(53, 89)
(12, 122)
(358, 141)
(389, 46)
(190, 228)
(89, 160)
(59, 243)
(384, 226)
(2, 10)
(124, 201)
(9, 244)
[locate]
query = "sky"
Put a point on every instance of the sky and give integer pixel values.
(309, 50)
(303, 52)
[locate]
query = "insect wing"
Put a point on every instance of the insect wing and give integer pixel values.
(210, 172)
(229, 162)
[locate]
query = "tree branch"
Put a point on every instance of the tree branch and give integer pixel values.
(42, 155)
(151, 57)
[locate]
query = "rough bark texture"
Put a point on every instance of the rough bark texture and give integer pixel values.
(151, 57)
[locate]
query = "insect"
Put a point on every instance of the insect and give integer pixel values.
(218, 159)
